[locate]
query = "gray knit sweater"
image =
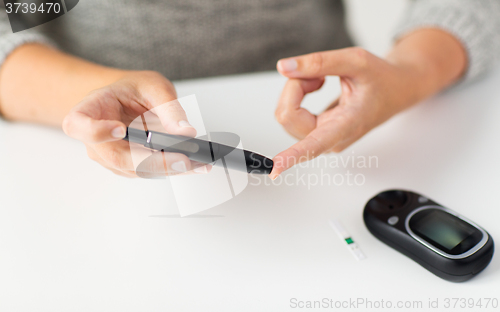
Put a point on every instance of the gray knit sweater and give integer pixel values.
(197, 38)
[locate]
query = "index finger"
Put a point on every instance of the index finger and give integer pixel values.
(297, 120)
(80, 126)
(314, 144)
(344, 62)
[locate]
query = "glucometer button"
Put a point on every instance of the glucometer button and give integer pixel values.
(393, 220)
(422, 200)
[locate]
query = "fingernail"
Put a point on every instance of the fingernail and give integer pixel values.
(288, 65)
(202, 169)
(185, 124)
(118, 133)
(179, 166)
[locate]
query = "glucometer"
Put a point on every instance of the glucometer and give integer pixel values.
(439, 239)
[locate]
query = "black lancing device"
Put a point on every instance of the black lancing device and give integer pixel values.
(203, 151)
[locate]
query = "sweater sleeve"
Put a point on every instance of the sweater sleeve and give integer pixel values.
(9, 41)
(476, 24)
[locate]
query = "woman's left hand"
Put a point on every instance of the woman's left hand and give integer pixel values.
(373, 90)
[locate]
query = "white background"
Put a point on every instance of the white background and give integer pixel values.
(372, 23)
(74, 237)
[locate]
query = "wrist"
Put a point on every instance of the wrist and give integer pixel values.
(415, 80)
(104, 76)
(432, 60)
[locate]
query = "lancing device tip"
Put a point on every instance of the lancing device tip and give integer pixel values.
(347, 239)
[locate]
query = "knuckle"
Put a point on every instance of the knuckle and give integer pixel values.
(151, 74)
(282, 116)
(92, 155)
(116, 172)
(171, 113)
(173, 107)
(66, 125)
(130, 174)
(94, 134)
(318, 143)
(338, 149)
(114, 159)
(343, 122)
(158, 80)
(315, 63)
(362, 57)
(355, 123)
(277, 115)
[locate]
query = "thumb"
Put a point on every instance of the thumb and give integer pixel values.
(86, 129)
(173, 118)
(163, 99)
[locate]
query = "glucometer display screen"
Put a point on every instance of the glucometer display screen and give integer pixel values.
(445, 231)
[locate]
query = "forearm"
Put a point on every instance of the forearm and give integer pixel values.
(40, 84)
(433, 57)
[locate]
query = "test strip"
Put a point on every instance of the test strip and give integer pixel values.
(344, 236)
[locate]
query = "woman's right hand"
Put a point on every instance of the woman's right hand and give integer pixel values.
(101, 118)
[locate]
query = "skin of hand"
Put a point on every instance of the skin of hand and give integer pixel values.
(93, 104)
(372, 90)
(100, 121)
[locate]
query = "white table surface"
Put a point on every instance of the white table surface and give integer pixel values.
(75, 237)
